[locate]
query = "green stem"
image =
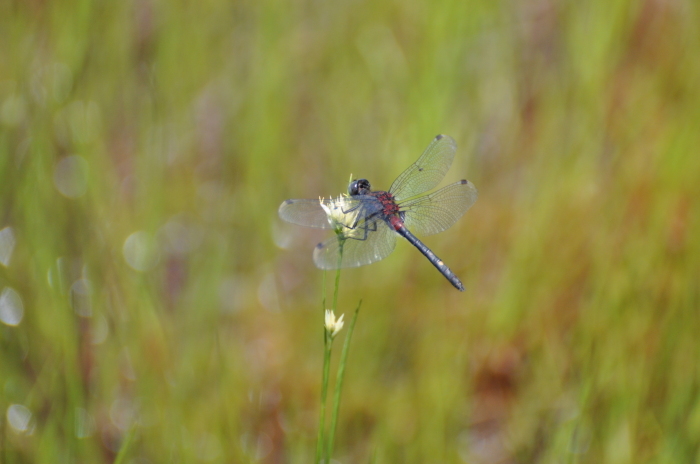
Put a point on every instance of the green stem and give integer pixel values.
(327, 345)
(324, 380)
(126, 445)
(339, 383)
(337, 275)
(324, 393)
(323, 285)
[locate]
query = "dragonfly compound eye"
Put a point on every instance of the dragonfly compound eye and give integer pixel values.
(359, 187)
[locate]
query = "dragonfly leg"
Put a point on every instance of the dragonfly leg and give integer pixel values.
(367, 229)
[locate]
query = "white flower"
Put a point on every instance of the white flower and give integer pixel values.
(340, 212)
(333, 326)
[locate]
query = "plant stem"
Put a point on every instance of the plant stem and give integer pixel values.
(324, 393)
(323, 285)
(339, 383)
(327, 346)
(337, 276)
(126, 445)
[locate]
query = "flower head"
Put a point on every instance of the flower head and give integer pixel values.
(333, 326)
(341, 214)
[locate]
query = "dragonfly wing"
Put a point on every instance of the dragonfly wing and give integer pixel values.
(438, 211)
(369, 242)
(310, 213)
(427, 171)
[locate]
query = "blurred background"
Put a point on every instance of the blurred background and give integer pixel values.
(152, 301)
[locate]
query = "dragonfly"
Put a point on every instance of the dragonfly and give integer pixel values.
(367, 222)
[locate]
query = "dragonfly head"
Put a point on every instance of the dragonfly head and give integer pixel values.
(359, 187)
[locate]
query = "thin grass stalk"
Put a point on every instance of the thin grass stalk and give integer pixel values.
(327, 348)
(324, 380)
(126, 445)
(324, 393)
(339, 383)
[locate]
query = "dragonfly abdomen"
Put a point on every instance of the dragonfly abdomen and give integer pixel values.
(427, 252)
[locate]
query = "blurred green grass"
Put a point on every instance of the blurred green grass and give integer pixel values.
(576, 340)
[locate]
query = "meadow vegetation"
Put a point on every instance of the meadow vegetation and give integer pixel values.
(153, 308)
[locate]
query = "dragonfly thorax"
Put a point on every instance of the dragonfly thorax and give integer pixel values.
(359, 187)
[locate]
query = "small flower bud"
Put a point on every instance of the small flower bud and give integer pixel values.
(333, 326)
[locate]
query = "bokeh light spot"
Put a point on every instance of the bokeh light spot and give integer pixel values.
(71, 176)
(181, 235)
(100, 330)
(81, 292)
(84, 424)
(7, 245)
(11, 307)
(122, 413)
(140, 251)
(20, 418)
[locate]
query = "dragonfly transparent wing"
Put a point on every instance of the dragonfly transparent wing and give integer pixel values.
(438, 211)
(367, 243)
(309, 213)
(427, 171)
